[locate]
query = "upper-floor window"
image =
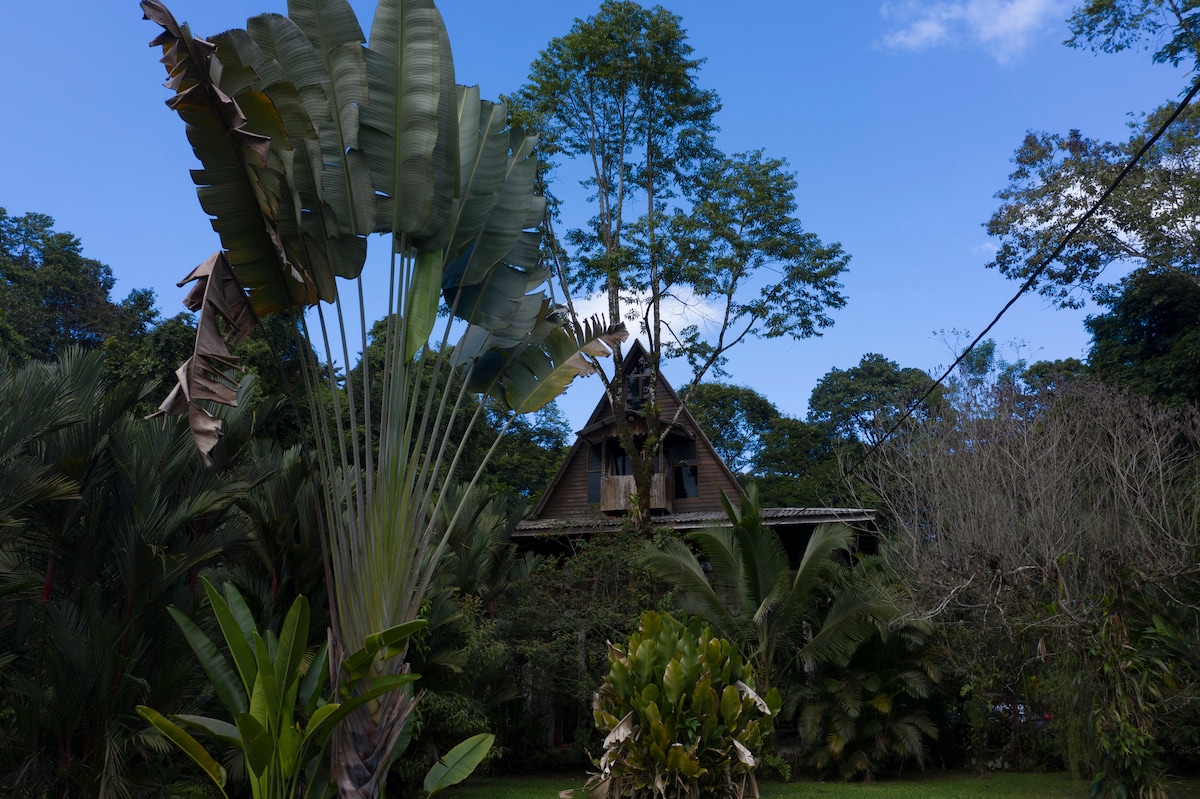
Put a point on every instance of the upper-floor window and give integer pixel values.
(595, 460)
(637, 391)
(687, 475)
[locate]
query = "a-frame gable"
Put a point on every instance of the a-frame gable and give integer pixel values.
(567, 496)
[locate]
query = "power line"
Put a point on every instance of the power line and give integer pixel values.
(1030, 281)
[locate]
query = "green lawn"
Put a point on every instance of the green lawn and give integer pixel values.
(936, 786)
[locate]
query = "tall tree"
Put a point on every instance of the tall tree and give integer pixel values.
(675, 218)
(792, 463)
(800, 466)
(1114, 25)
(1150, 221)
(310, 138)
(736, 419)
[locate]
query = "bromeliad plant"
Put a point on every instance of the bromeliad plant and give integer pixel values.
(681, 716)
(281, 720)
(310, 139)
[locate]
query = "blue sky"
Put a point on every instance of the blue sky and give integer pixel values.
(899, 119)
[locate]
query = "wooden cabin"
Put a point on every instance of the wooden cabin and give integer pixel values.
(591, 493)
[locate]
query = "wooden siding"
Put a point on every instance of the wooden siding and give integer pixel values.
(569, 496)
(711, 479)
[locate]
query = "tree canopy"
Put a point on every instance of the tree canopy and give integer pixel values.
(863, 401)
(51, 296)
(1149, 338)
(1148, 223)
(1114, 25)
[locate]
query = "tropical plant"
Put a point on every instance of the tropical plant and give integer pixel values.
(866, 713)
(739, 579)
(681, 716)
(310, 139)
(105, 518)
(270, 680)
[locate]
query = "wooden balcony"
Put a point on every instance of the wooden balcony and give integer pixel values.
(616, 490)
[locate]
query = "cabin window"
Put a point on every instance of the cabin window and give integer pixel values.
(637, 391)
(595, 459)
(687, 483)
(619, 463)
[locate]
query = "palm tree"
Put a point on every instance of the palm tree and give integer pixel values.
(310, 139)
(739, 580)
(115, 516)
(866, 712)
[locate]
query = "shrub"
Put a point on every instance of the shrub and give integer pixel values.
(681, 716)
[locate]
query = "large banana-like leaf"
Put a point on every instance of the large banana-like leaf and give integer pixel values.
(206, 375)
(457, 764)
(317, 228)
(483, 162)
(409, 128)
(224, 681)
(233, 159)
(480, 231)
(424, 292)
(178, 736)
(237, 631)
(334, 31)
(527, 376)
(221, 730)
(515, 208)
(293, 639)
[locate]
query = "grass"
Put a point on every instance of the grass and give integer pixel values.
(954, 785)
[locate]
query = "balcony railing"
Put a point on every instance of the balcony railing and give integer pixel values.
(616, 491)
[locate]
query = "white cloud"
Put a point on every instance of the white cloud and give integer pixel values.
(1001, 27)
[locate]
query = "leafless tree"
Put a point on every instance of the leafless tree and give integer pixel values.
(1027, 526)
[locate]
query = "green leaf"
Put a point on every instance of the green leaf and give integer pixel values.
(222, 730)
(731, 705)
(673, 682)
(457, 764)
(237, 626)
(257, 744)
(379, 687)
(190, 746)
(290, 652)
(314, 680)
(409, 128)
(357, 664)
(232, 181)
(264, 699)
(317, 721)
(225, 683)
(423, 295)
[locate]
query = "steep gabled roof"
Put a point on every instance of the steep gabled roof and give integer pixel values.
(602, 417)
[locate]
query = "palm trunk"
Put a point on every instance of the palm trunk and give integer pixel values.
(364, 745)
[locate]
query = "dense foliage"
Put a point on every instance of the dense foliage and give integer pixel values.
(1054, 543)
(680, 714)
